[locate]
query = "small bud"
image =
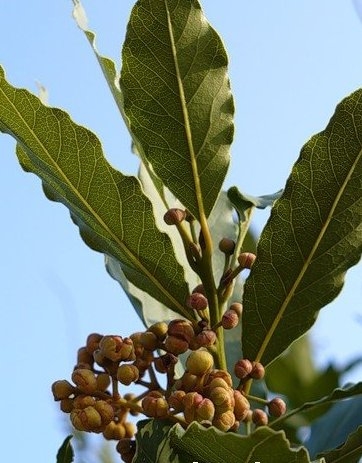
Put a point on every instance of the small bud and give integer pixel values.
(259, 417)
(205, 339)
(176, 345)
(189, 382)
(155, 405)
(246, 259)
(127, 374)
(241, 407)
(223, 374)
(165, 362)
(66, 405)
(227, 246)
(218, 382)
(103, 382)
(243, 368)
(62, 389)
(105, 410)
(115, 348)
(197, 301)
(92, 343)
(83, 356)
(205, 411)
(174, 216)
(130, 429)
(85, 380)
(277, 407)
(222, 398)
(159, 329)
(127, 449)
(87, 419)
(191, 402)
(149, 340)
(175, 400)
(230, 320)
(199, 289)
(114, 431)
(182, 329)
(237, 307)
(258, 371)
(199, 362)
(224, 421)
(84, 401)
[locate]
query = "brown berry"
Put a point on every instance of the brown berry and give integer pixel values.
(259, 417)
(258, 371)
(227, 246)
(243, 368)
(174, 216)
(277, 407)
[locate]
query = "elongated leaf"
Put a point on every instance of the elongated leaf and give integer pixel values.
(349, 452)
(65, 453)
(313, 236)
(213, 446)
(113, 214)
(177, 98)
(338, 394)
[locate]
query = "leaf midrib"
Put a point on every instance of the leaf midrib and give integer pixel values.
(307, 262)
(94, 214)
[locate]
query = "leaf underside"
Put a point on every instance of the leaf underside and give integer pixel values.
(113, 214)
(177, 99)
(313, 236)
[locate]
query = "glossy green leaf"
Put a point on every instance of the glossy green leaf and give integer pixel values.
(177, 99)
(213, 446)
(153, 444)
(349, 452)
(242, 201)
(65, 453)
(113, 214)
(338, 394)
(313, 236)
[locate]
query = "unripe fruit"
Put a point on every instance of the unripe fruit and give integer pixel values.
(277, 407)
(84, 401)
(149, 340)
(259, 417)
(130, 429)
(227, 246)
(87, 419)
(176, 345)
(85, 380)
(174, 216)
(181, 329)
(175, 400)
(224, 421)
(243, 368)
(237, 307)
(205, 411)
(230, 320)
(66, 405)
(127, 374)
(246, 259)
(159, 329)
(92, 343)
(199, 362)
(83, 356)
(114, 431)
(105, 410)
(103, 382)
(197, 301)
(241, 407)
(62, 389)
(155, 405)
(258, 371)
(127, 449)
(205, 339)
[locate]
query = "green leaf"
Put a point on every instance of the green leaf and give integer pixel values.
(177, 99)
(313, 236)
(242, 201)
(335, 396)
(113, 214)
(153, 444)
(65, 453)
(213, 446)
(349, 452)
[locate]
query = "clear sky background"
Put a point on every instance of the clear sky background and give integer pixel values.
(291, 62)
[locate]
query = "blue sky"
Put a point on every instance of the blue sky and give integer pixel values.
(290, 64)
